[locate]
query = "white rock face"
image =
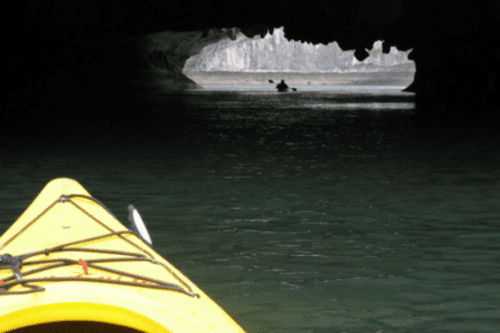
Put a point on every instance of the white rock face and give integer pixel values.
(274, 53)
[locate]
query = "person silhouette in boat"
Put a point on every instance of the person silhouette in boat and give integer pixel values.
(282, 86)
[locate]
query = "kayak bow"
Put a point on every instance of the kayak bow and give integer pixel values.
(69, 262)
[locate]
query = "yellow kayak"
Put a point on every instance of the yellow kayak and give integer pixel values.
(67, 264)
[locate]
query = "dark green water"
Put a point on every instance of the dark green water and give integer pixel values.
(320, 211)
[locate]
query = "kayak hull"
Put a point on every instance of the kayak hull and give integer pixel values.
(125, 283)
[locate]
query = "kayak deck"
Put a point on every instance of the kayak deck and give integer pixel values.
(51, 264)
(100, 272)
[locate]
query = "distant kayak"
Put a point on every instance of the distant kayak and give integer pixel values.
(286, 89)
(282, 87)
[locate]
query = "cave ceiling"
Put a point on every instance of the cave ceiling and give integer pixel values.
(354, 24)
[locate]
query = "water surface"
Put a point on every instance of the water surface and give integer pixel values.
(311, 212)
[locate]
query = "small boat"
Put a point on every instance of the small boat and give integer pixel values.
(282, 87)
(68, 264)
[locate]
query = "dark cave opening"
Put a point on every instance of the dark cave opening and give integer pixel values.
(70, 58)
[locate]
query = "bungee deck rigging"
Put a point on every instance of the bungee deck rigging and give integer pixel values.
(15, 263)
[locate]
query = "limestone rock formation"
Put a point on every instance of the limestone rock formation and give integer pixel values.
(155, 62)
(274, 53)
